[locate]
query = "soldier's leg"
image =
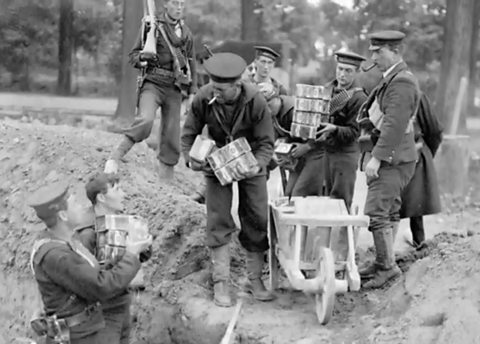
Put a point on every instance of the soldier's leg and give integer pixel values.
(220, 226)
(169, 151)
(343, 171)
(148, 103)
(253, 212)
(126, 325)
(115, 324)
(417, 229)
(311, 178)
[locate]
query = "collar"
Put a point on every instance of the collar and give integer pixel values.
(165, 18)
(390, 70)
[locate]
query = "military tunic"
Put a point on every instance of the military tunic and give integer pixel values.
(69, 283)
(249, 118)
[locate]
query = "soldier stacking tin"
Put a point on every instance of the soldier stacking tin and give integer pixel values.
(311, 109)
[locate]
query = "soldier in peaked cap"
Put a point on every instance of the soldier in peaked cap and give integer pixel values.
(340, 134)
(69, 277)
(265, 58)
(232, 108)
(388, 146)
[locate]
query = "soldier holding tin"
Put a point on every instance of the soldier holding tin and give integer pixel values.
(341, 131)
(264, 63)
(106, 237)
(70, 279)
(232, 108)
(389, 153)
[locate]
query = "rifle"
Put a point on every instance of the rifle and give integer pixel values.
(149, 39)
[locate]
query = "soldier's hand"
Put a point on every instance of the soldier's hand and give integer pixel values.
(327, 128)
(149, 57)
(300, 149)
(111, 166)
(138, 246)
(371, 170)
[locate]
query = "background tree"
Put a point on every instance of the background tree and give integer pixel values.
(65, 47)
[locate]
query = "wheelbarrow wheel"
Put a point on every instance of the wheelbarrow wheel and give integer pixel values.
(325, 301)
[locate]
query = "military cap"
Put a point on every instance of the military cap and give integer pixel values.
(99, 184)
(225, 67)
(381, 38)
(350, 58)
(266, 51)
(48, 200)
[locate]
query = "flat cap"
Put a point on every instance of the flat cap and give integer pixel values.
(48, 200)
(266, 51)
(350, 58)
(381, 38)
(225, 67)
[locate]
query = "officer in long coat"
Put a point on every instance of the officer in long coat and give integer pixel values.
(232, 108)
(69, 278)
(390, 157)
(421, 196)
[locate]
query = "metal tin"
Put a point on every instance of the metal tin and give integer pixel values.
(224, 176)
(117, 222)
(307, 118)
(283, 148)
(117, 238)
(311, 91)
(303, 131)
(227, 153)
(303, 104)
(244, 164)
(101, 254)
(320, 105)
(114, 253)
(217, 159)
(202, 147)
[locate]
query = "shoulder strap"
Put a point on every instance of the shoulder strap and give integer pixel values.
(40, 249)
(173, 51)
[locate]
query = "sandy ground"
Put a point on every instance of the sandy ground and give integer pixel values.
(436, 301)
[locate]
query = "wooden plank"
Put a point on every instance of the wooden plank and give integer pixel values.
(324, 220)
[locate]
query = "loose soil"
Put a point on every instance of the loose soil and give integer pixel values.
(436, 301)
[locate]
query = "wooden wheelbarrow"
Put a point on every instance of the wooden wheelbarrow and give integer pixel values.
(313, 240)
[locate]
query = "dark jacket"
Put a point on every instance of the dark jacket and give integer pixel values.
(251, 120)
(397, 96)
(422, 196)
(63, 274)
(344, 139)
(164, 56)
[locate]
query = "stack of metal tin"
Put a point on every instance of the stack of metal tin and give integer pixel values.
(236, 155)
(311, 109)
(112, 240)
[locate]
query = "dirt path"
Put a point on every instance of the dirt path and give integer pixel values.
(436, 301)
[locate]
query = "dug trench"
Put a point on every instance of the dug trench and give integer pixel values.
(436, 301)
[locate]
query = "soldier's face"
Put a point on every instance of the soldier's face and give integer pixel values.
(384, 58)
(175, 8)
(114, 197)
(75, 212)
(225, 92)
(345, 74)
(264, 66)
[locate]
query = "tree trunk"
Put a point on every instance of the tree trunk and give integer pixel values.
(65, 48)
(127, 96)
(473, 61)
(252, 23)
(455, 57)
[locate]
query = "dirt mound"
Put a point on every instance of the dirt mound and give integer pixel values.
(436, 301)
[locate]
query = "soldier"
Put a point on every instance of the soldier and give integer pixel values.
(232, 108)
(107, 198)
(389, 150)
(341, 132)
(421, 196)
(69, 278)
(264, 62)
(167, 73)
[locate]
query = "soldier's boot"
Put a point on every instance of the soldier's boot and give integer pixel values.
(165, 172)
(255, 284)
(368, 270)
(387, 269)
(221, 276)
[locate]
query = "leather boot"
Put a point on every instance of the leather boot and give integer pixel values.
(387, 269)
(368, 270)
(255, 284)
(221, 276)
(165, 172)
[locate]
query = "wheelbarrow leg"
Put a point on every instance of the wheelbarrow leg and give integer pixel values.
(353, 276)
(273, 264)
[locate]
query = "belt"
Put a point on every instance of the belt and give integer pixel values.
(161, 72)
(81, 317)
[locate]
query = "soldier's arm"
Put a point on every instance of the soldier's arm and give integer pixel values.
(400, 102)
(349, 132)
(282, 91)
(74, 273)
(134, 55)
(193, 126)
(262, 131)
